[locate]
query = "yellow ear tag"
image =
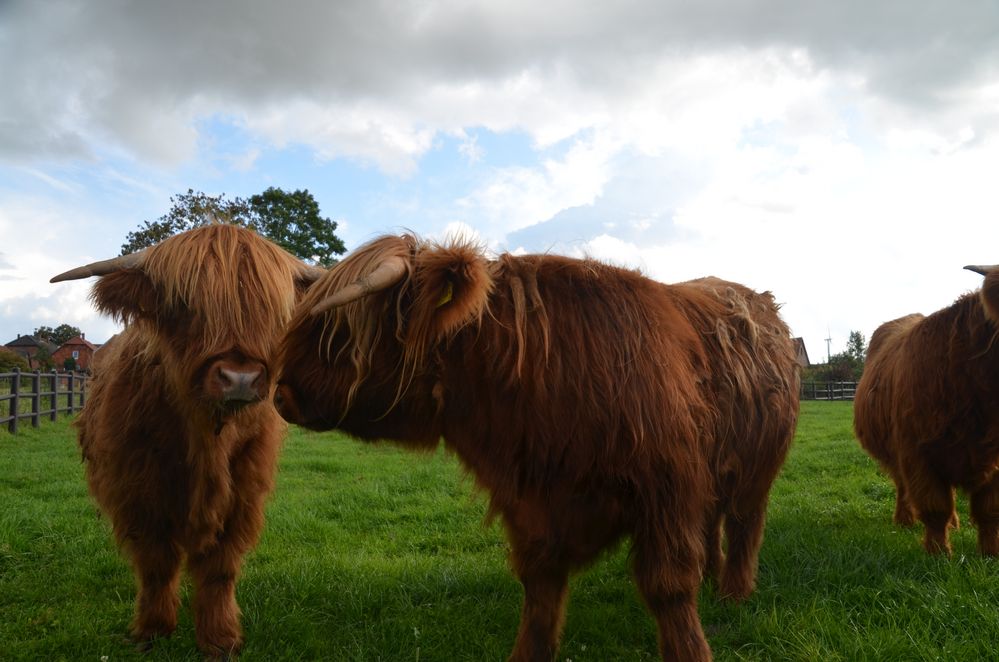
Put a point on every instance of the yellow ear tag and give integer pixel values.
(446, 295)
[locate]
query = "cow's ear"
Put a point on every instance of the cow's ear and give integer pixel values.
(305, 276)
(451, 286)
(126, 295)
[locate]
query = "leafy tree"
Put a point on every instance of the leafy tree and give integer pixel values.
(291, 220)
(58, 335)
(10, 360)
(188, 210)
(856, 347)
(43, 359)
(69, 364)
(846, 366)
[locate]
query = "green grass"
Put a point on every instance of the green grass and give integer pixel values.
(371, 553)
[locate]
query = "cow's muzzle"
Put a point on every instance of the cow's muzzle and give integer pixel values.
(236, 384)
(239, 384)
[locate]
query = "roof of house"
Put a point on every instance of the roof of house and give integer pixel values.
(30, 341)
(799, 347)
(79, 340)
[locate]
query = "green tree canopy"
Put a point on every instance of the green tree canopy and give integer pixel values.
(856, 347)
(10, 360)
(188, 210)
(291, 220)
(58, 335)
(43, 359)
(846, 366)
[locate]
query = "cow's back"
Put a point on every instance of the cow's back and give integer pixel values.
(877, 392)
(754, 379)
(580, 374)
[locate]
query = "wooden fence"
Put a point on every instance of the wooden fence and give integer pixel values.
(828, 390)
(37, 394)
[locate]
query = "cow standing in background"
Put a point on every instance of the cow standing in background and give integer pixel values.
(872, 407)
(179, 435)
(590, 402)
(927, 409)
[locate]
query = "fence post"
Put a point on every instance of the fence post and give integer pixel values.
(54, 398)
(36, 397)
(69, 392)
(83, 390)
(15, 407)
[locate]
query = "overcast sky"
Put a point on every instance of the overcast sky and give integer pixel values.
(843, 155)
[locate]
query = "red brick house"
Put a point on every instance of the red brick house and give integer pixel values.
(79, 349)
(28, 346)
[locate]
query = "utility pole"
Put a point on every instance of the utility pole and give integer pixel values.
(828, 346)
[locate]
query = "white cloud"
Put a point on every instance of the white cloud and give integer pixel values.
(376, 80)
(245, 160)
(42, 239)
(470, 149)
(612, 250)
(517, 197)
(839, 153)
(368, 133)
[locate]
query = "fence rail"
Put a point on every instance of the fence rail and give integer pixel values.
(64, 392)
(828, 390)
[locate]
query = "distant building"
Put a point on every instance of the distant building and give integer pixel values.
(28, 346)
(802, 353)
(79, 349)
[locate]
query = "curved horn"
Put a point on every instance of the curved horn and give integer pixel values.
(102, 268)
(981, 269)
(388, 273)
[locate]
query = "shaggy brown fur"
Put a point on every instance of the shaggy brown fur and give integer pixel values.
(590, 402)
(872, 406)
(927, 408)
(180, 471)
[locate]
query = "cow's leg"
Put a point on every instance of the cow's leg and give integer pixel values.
(933, 501)
(744, 524)
(544, 573)
(985, 514)
(955, 519)
(157, 571)
(216, 614)
(214, 570)
(713, 543)
(546, 587)
(668, 574)
(904, 515)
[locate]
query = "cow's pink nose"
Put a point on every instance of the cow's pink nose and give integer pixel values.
(239, 385)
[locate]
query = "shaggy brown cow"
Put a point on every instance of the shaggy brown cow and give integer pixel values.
(179, 436)
(927, 409)
(590, 402)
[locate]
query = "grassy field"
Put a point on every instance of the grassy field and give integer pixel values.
(371, 553)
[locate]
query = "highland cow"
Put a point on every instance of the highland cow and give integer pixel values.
(927, 409)
(590, 402)
(179, 436)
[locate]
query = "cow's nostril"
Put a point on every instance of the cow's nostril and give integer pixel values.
(239, 384)
(225, 377)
